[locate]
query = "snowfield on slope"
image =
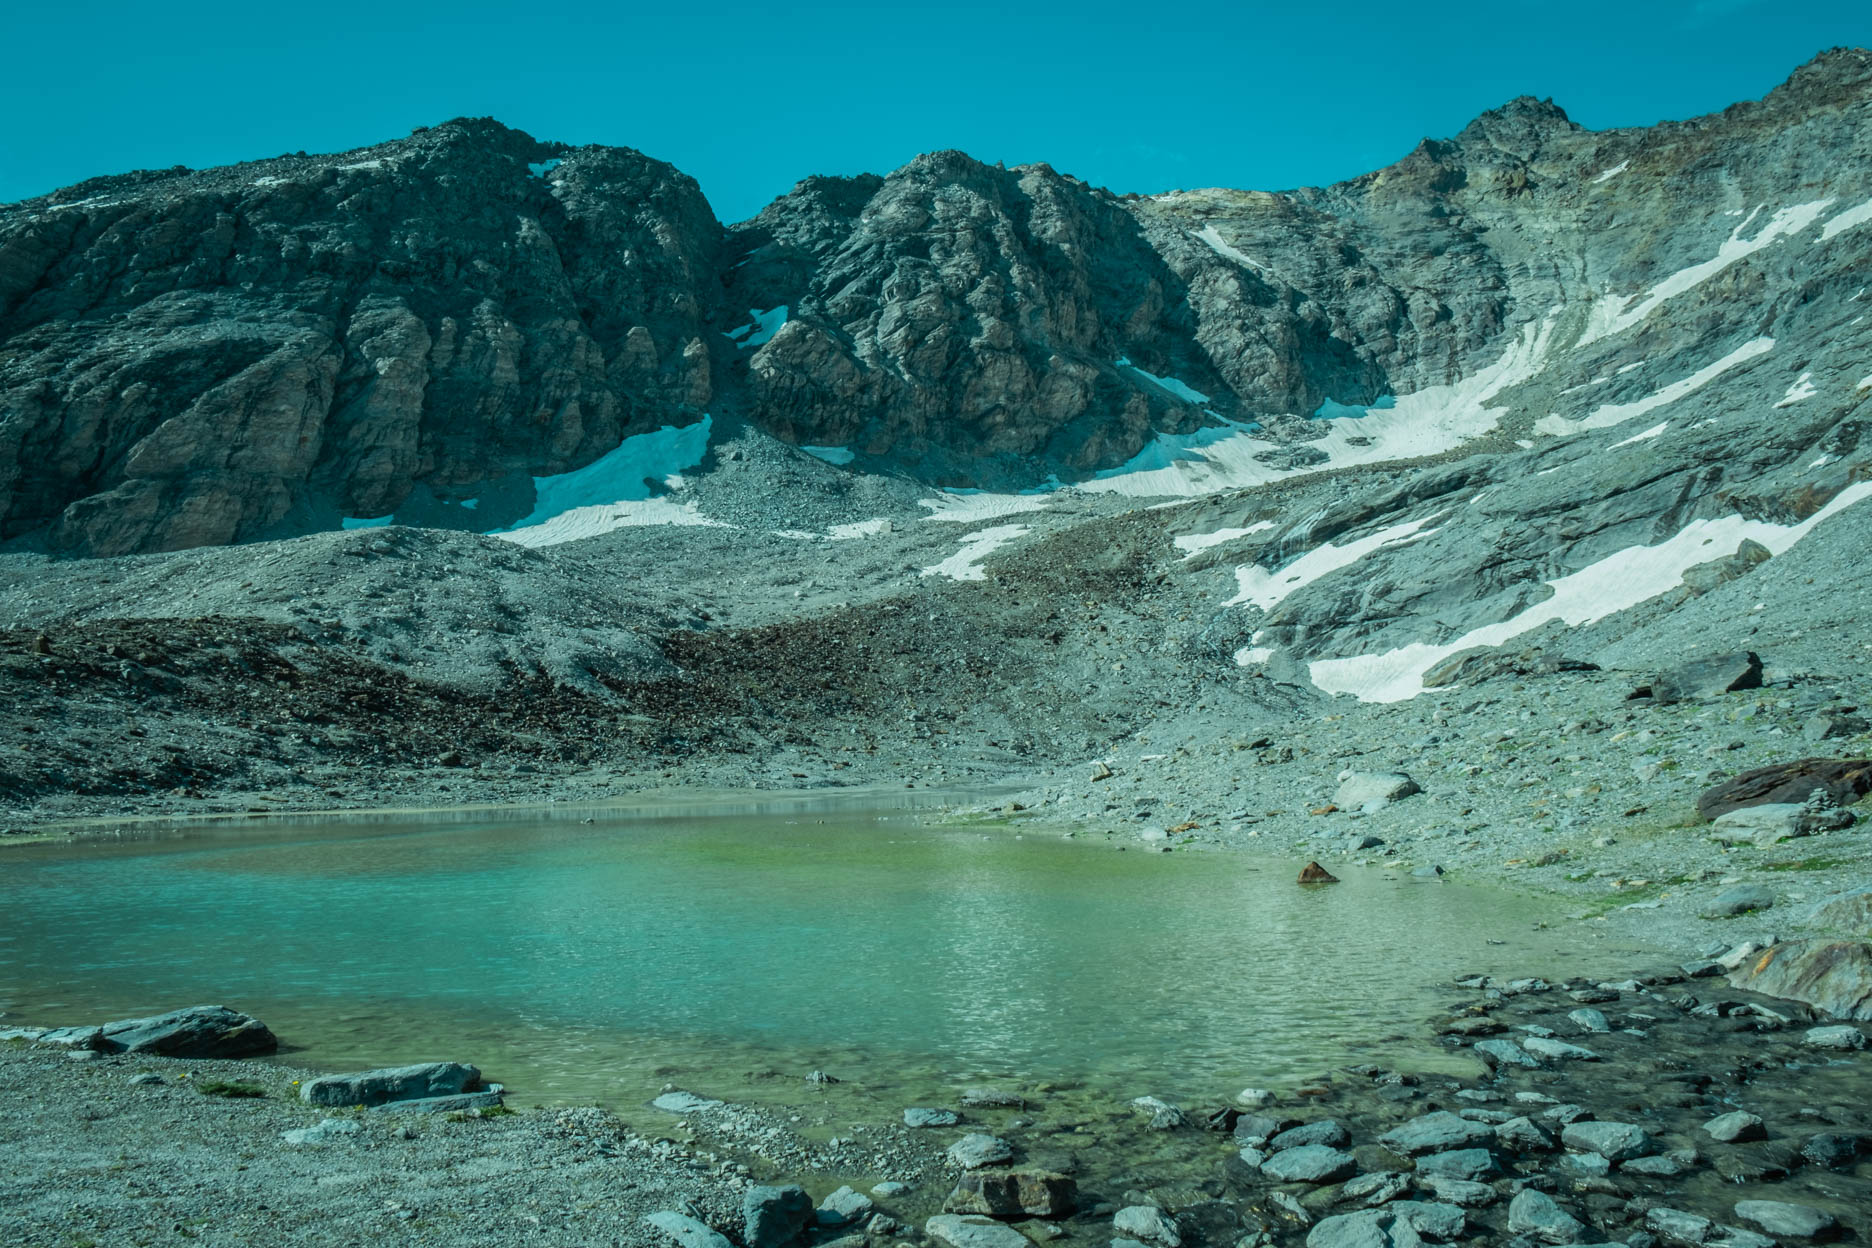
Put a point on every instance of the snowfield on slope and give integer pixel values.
(1619, 581)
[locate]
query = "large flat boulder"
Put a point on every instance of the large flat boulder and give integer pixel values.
(1708, 678)
(1845, 780)
(395, 1083)
(1833, 976)
(201, 1031)
(1849, 912)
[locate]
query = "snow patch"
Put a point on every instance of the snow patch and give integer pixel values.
(1613, 172)
(581, 522)
(364, 164)
(965, 564)
(858, 529)
(1846, 221)
(1617, 413)
(831, 454)
(1250, 656)
(1210, 236)
(1187, 393)
(1616, 583)
(613, 491)
(1262, 588)
(969, 506)
(1616, 313)
(1800, 390)
(1822, 462)
(1654, 431)
(761, 329)
(1195, 542)
(1865, 383)
(1431, 421)
(544, 167)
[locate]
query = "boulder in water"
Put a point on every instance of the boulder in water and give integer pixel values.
(201, 1031)
(1313, 873)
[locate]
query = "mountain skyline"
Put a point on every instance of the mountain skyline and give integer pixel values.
(1226, 102)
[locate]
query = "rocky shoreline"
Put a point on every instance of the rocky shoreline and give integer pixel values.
(1666, 1106)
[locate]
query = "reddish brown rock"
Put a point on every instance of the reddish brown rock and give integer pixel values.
(1313, 873)
(1846, 780)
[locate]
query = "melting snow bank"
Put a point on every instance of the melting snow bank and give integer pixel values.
(1616, 313)
(593, 521)
(613, 491)
(964, 565)
(1617, 413)
(1431, 421)
(1611, 585)
(1264, 589)
(1655, 431)
(857, 529)
(969, 506)
(1195, 542)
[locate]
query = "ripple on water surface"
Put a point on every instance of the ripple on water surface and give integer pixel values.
(588, 962)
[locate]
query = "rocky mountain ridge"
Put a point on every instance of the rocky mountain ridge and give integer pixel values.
(425, 327)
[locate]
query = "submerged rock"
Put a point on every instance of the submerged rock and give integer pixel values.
(961, 1232)
(774, 1216)
(1013, 1194)
(976, 1150)
(687, 1231)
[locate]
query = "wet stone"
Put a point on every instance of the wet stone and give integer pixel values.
(1787, 1220)
(975, 1150)
(1614, 1141)
(920, 1118)
(1538, 1214)
(1325, 1132)
(1465, 1163)
(1148, 1224)
(1310, 1163)
(1440, 1131)
(1505, 1053)
(1736, 1127)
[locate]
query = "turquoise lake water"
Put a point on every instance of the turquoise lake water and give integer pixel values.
(583, 962)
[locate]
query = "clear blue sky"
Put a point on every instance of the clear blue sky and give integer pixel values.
(748, 98)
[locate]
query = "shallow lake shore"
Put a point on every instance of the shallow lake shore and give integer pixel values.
(1721, 1096)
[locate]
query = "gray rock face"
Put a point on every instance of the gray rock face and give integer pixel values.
(1437, 1132)
(847, 1204)
(1013, 1194)
(1472, 1164)
(324, 1132)
(961, 1232)
(931, 1118)
(976, 1150)
(1537, 1214)
(1325, 1132)
(1309, 1163)
(1708, 678)
(1849, 912)
(1373, 790)
(1614, 1141)
(1505, 1053)
(687, 1231)
(1833, 976)
(1736, 1127)
(394, 1083)
(774, 1216)
(1148, 1224)
(202, 1031)
(212, 353)
(1789, 1221)
(1740, 900)
(1840, 1036)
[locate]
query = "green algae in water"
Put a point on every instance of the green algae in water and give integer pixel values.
(581, 963)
